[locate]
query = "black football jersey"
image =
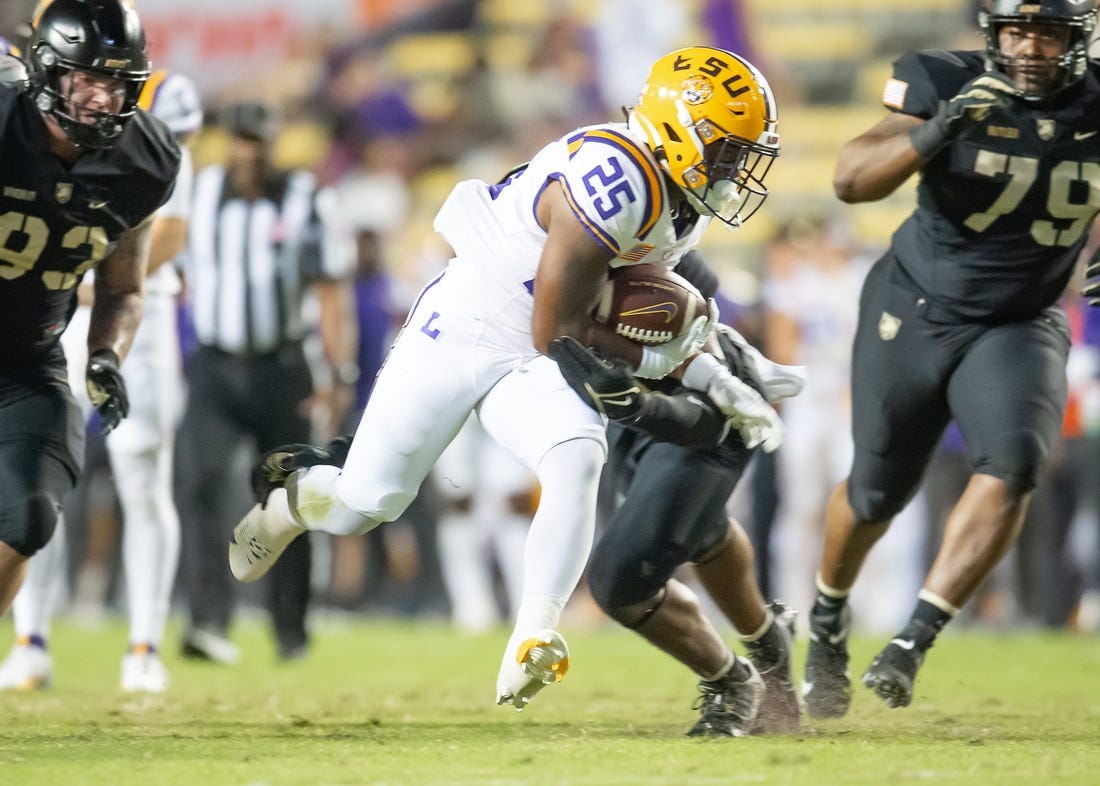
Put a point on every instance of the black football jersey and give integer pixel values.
(1003, 211)
(57, 222)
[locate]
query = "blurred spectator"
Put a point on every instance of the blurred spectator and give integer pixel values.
(259, 240)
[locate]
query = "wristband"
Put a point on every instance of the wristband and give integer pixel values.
(930, 137)
(654, 364)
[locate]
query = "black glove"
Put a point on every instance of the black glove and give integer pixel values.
(608, 386)
(970, 106)
(106, 388)
(1092, 288)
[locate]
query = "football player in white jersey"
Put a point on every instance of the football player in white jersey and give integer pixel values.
(140, 448)
(532, 254)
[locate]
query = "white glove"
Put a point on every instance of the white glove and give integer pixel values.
(779, 381)
(746, 410)
(661, 360)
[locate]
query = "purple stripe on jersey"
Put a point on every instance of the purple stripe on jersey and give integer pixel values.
(594, 229)
(420, 297)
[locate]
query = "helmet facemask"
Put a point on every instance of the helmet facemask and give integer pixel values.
(1071, 64)
(95, 129)
(729, 182)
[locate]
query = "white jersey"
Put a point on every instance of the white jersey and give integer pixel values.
(614, 186)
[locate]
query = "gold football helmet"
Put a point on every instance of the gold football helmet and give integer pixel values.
(710, 119)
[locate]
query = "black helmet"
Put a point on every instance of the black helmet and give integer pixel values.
(1078, 15)
(101, 37)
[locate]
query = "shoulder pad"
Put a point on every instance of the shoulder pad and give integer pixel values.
(613, 185)
(922, 79)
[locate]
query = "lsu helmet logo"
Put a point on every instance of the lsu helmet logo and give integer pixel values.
(697, 90)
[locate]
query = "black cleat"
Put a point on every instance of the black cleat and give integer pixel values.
(779, 711)
(894, 670)
(728, 705)
(826, 684)
(273, 468)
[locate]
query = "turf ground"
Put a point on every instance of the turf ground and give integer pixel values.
(391, 703)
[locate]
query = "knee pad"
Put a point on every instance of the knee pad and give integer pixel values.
(875, 505)
(1016, 458)
(635, 616)
(621, 580)
(29, 523)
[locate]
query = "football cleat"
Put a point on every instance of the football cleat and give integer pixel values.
(540, 660)
(143, 672)
(827, 684)
(261, 538)
(27, 667)
(200, 644)
(779, 711)
(894, 670)
(728, 705)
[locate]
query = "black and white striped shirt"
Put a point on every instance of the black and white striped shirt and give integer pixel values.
(249, 262)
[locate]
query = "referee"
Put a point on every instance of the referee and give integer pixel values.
(260, 240)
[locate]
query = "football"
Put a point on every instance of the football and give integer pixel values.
(648, 304)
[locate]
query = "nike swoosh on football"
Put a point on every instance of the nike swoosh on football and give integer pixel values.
(905, 644)
(668, 309)
(1079, 135)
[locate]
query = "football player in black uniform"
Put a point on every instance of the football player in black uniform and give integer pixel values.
(673, 461)
(959, 319)
(81, 171)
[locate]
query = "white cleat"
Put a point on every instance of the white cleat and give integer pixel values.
(27, 667)
(202, 644)
(261, 538)
(143, 672)
(540, 660)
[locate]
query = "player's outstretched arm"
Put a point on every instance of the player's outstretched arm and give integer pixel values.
(116, 313)
(120, 293)
(875, 163)
(609, 387)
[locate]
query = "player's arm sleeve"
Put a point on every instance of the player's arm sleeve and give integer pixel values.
(685, 418)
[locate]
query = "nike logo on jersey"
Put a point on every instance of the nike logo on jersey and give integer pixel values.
(905, 644)
(1079, 135)
(98, 205)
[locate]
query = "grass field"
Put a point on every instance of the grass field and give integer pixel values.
(390, 703)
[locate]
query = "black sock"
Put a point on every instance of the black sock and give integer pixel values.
(925, 624)
(767, 650)
(826, 612)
